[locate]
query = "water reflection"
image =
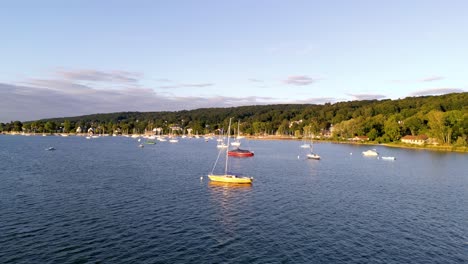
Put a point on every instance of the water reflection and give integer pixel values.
(230, 199)
(228, 186)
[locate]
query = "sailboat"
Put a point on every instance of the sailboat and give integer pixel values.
(228, 176)
(237, 142)
(241, 153)
(312, 155)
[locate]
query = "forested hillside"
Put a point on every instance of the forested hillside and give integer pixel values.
(443, 117)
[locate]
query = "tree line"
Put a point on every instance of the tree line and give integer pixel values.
(444, 118)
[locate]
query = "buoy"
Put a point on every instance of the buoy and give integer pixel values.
(297, 156)
(350, 153)
(201, 178)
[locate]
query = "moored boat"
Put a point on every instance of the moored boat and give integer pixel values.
(313, 156)
(228, 177)
(240, 153)
(370, 153)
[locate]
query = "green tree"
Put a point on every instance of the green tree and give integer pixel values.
(439, 126)
(66, 126)
(50, 127)
(392, 128)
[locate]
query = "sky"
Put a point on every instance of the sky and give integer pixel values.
(70, 58)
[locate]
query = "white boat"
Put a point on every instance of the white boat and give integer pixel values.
(312, 155)
(50, 148)
(237, 143)
(388, 158)
(173, 140)
(221, 145)
(228, 177)
(370, 153)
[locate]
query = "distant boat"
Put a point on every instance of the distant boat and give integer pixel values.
(221, 145)
(370, 153)
(388, 158)
(173, 140)
(240, 153)
(50, 148)
(312, 155)
(228, 177)
(141, 146)
(305, 145)
(150, 142)
(237, 143)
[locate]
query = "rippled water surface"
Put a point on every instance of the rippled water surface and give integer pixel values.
(106, 200)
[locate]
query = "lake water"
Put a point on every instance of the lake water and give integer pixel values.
(106, 200)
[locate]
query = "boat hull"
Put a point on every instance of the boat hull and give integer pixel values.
(230, 179)
(313, 156)
(240, 153)
(370, 153)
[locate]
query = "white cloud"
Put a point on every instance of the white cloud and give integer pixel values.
(367, 96)
(23, 102)
(100, 76)
(300, 80)
(436, 91)
(432, 78)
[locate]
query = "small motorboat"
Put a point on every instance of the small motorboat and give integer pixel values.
(388, 158)
(313, 156)
(50, 148)
(370, 153)
(240, 153)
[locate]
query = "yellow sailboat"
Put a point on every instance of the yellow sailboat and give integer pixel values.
(228, 177)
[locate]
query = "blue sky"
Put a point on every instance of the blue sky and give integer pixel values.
(67, 58)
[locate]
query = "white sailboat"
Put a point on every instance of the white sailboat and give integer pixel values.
(237, 142)
(312, 155)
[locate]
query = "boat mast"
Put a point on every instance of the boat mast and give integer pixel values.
(227, 149)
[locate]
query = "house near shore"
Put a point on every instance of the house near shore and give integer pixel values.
(360, 138)
(417, 140)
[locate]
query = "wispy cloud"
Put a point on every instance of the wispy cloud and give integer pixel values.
(436, 91)
(255, 80)
(100, 76)
(432, 78)
(425, 79)
(318, 100)
(300, 80)
(26, 102)
(59, 85)
(185, 85)
(367, 96)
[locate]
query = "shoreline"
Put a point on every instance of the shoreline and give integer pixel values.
(317, 141)
(391, 145)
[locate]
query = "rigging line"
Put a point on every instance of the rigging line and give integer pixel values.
(219, 154)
